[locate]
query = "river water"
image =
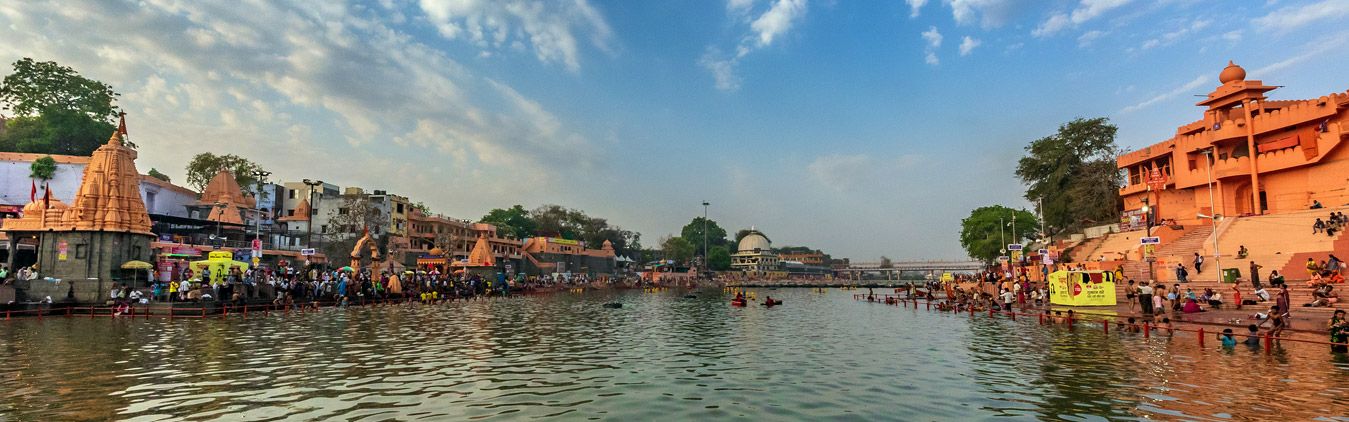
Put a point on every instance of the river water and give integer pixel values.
(660, 357)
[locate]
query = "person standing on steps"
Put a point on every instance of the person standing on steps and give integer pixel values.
(1255, 274)
(1198, 263)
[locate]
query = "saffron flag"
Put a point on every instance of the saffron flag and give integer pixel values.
(46, 196)
(32, 195)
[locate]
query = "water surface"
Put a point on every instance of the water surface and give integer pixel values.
(662, 356)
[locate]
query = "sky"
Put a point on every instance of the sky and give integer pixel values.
(863, 128)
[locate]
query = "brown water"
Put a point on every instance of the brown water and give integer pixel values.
(660, 357)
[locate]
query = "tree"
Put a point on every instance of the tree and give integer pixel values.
(156, 174)
(43, 169)
(348, 221)
(419, 206)
(37, 88)
(741, 235)
(559, 221)
(1073, 175)
(982, 233)
(886, 262)
(677, 249)
(513, 222)
(693, 232)
(204, 167)
(719, 258)
(56, 110)
(55, 132)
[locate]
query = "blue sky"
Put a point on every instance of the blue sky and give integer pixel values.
(863, 128)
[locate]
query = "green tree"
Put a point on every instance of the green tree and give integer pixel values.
(514, 221)
(982, 233)
(1073, 175)
(419, 206)
(693, 232)
(56, 110)
(719, 258)
(43, 169)
(39, 87)
(204, 166)
(677, 249)
(156, 174)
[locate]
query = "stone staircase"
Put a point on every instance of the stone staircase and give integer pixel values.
(1273, 242)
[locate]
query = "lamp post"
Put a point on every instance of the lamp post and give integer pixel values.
(1147, 224)
(219, 206)
(706, 266)
(1213, 212)
(257, 207)
(309, 236)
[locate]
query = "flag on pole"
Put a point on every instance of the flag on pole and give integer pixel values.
(46, 196)
(32, 195)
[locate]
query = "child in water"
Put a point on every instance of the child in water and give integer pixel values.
(1227, 339)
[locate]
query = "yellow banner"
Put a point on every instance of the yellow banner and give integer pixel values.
(1082, 288)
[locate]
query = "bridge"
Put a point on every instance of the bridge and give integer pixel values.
(931, 267)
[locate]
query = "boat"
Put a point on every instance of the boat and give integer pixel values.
(773, 302)
(738, 302)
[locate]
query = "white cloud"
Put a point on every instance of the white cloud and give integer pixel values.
(915, 7)
(765, 29)
(777, 20)
(1089, 37)
(550, 28)
(1294, 17)
(1056, 22)
(988, 13)
(931, 58)
(933, 37)
(1085, 11)
(968, 45)
(1314, 49)
(1187, 88)
(1178, 34)
(1232, 36)
(352, 98)
(840, 171)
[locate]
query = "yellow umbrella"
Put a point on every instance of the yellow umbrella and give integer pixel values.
(137, 265)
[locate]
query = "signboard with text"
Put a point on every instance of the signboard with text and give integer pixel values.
(1082, 288)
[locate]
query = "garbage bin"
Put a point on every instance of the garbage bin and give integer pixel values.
(1230, 275)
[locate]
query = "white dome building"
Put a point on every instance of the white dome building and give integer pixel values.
(755, 255)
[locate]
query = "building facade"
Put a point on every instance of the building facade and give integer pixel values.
(754, 255)
(1246, 155)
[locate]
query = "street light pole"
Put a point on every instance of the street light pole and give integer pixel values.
(257, 206)
(1213, 214)
(309, 237)
(706, 265)
(1147, 224)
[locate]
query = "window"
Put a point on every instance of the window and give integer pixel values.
(292, 193)
(81, 251)
(400, 208)
(342, 211)
(290, 213)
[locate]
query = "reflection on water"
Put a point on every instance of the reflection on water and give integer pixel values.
(659, 357)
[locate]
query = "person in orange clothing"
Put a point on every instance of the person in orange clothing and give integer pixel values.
(1236, 294)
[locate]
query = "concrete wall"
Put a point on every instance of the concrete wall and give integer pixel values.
(165, 201)
(15, 186)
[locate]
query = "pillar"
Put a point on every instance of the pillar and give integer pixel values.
(1250, 145)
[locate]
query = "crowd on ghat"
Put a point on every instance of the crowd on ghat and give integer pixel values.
(1156, 302)
(340, 287)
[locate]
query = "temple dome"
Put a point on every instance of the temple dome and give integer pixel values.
(754, 241)
(32, 207)
(437, 251)
(1232, 73)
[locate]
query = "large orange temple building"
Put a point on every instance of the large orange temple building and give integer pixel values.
(1247, 155)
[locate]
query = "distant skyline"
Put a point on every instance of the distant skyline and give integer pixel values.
(860, 128)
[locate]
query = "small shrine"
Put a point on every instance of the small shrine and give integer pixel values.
(87, 242)
(480, 260)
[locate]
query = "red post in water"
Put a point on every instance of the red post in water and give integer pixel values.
(1147, 329)
(1201, 336)
(203, 311)
(1269, 343)
(1042, 319)
(91, 311)
(1105, 326)
(929, 305)
(68, 312)
(245, 311)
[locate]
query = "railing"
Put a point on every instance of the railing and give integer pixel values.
(1146, 328)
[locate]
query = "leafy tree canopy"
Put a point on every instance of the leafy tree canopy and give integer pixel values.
(37, 88)
(514, 221)
(677, 249)
(719, 258)
(984, 232)
(693, 232)
(156, 174)
(1072, 174)
(204, 166)
(43, 168)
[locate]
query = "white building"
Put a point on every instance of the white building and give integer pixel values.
(16, 185)
(755, 255)
(164, 198)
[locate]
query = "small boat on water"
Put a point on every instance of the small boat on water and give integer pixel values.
(772, 302)
(738, 302)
